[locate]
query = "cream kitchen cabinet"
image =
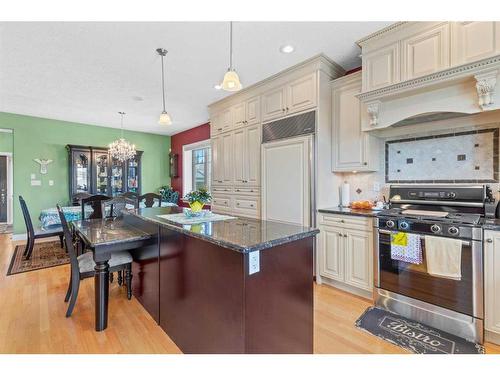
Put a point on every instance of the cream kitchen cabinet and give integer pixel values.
(345, 252)
(246, 112)
(381, 67)
(221, 122)
(352, 149)
(296, 96)
(472, 40)
(426, 52)
(222, 163)
(492, 285)
(246, 160)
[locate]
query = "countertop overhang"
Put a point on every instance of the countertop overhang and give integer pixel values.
(240, 234)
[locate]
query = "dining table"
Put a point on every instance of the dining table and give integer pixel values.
(103, 237)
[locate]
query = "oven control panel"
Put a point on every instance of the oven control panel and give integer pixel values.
(425, 227)
(432, 195)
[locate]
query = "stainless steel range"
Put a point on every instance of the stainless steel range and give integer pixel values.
(454, 305)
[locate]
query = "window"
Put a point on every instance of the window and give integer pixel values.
(201, 168)
(196, 159)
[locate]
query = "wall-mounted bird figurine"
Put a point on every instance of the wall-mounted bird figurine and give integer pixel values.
(43, 164)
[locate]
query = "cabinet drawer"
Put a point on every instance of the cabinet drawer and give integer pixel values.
(224, 202)
(247, 190)
(347, 221)
(246, 203)
(221, 189)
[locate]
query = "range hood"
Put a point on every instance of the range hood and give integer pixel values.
(455, 92)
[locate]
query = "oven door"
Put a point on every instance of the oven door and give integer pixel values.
(464, 296)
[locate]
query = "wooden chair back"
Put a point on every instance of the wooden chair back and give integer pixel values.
(77, 198)
(95, 202)
(68, 238)
(116, 206)
(149, 199)
(27, 217)
(133, 196)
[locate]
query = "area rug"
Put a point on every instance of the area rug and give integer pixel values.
(413, 336)
(45, 255)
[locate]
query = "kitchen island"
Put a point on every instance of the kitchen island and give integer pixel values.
(231, 286)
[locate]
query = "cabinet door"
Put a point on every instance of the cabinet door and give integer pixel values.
(134, 173)
(301, 94)
(426, 52)
(492, 281)
(273, 104)
(349, 142)
(117, 178)
(226, 121)
(240, 156)
(472, 41)
(331, 252)
(238, 114)
(227, 158)
(217, 160)
(81, 172)
(101, 173)
(252, 155)
(381, 67)
(253, 111)
(359, 259)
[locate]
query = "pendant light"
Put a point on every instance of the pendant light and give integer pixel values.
(231, 80)
(164, 116)
(121, 149)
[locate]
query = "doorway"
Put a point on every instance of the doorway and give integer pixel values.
(6, 180)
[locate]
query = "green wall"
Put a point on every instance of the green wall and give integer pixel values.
(6, 141)
(46, 139)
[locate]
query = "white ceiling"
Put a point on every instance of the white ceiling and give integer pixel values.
(87, 72)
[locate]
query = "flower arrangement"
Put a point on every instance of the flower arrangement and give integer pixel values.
(198, 198)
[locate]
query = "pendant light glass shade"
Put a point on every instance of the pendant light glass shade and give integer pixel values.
(165, 119)
(231, 81)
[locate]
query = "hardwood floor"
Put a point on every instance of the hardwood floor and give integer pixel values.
(32, 318)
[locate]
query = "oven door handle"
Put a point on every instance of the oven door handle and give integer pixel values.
(385, 231)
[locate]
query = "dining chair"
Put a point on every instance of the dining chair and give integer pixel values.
(95, 202)
(76, 200)
(82, 266)
(116, 206)
(37, 232)
(149, 199)
(133, 196)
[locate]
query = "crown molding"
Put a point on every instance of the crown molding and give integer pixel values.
(381, 32)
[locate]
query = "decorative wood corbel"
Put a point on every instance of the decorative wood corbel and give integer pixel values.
(373, 108)
(485, 86)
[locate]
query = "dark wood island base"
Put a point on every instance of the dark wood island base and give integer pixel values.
(212, 297)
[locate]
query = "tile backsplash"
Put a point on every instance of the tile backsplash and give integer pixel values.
(463, 157)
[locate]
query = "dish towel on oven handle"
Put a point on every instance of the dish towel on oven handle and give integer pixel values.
(406, 247)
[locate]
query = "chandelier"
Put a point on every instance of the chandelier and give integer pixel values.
(121, 149)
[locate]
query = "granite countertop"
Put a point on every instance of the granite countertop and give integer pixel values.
(348, 211)
(240, 234)
(491, 224)
(97, 232)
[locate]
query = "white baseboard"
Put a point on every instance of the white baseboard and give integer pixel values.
(347, 288)
(20, 237)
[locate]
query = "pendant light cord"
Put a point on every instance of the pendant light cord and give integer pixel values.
(230, 45)
(163, 83)
(121, 121)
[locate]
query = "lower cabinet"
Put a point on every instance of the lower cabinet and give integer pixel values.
(345, 253)
(243, 202)
(492, 286)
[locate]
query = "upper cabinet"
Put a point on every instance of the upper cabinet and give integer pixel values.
(296, 96)
(352, 149)
(473, 41)
(221, 121)
(381, 67)
(409, 50)
(252, 110)
(426, 52)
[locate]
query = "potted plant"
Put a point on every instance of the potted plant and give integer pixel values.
(198, 198)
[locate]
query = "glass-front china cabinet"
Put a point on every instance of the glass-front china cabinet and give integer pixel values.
(93, 171)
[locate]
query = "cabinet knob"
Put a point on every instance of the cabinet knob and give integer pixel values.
(342, 221)
(219, 129)
(283, 109)
(251, 205)
(489, 240)
(365, 163)
(287, 109)
(340, 234)
(345, 235)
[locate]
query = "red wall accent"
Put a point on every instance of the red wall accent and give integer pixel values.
(197, 134)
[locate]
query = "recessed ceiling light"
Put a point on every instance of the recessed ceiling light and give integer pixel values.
(217, 87)
(287, 48)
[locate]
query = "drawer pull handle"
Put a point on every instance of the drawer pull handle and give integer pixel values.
(251, 205)
(345, 235)
(342, 221)
(489, 240)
